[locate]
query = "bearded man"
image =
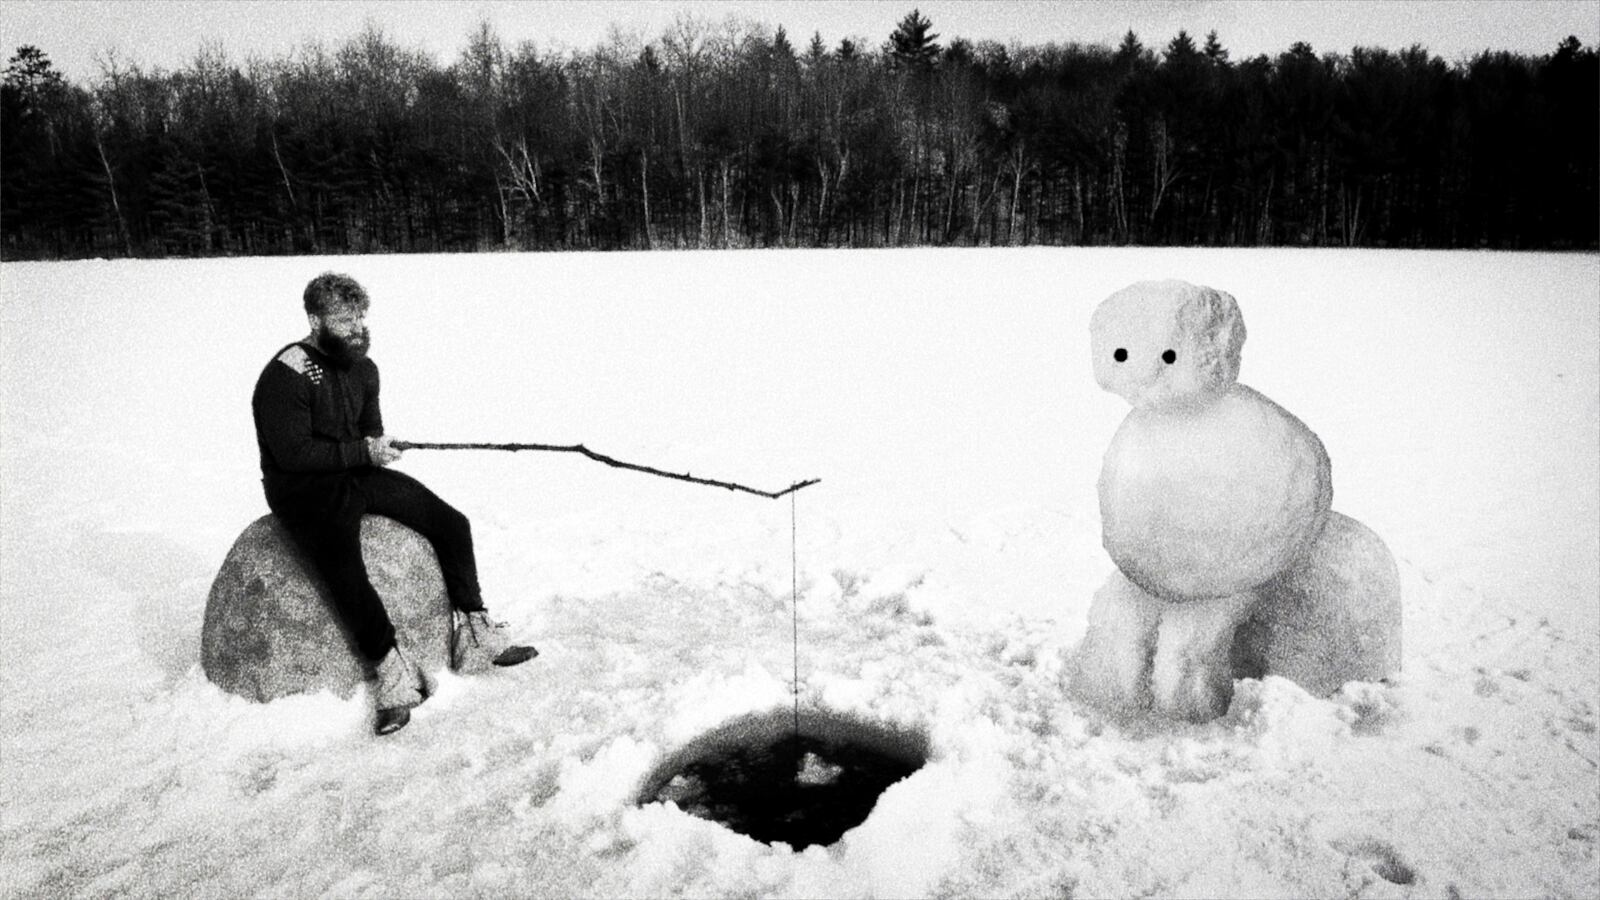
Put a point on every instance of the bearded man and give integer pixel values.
(324, 459)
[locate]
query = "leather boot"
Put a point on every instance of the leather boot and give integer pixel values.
(399, 686)
(479, 643)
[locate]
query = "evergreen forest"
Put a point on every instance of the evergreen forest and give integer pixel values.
(738, 135)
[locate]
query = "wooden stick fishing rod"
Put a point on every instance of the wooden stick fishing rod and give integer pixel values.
(600, 457)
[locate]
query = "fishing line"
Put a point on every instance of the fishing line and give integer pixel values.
(794, 603)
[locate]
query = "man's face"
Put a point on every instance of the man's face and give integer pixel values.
(342, 333)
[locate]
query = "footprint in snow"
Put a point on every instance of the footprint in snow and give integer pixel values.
(1381, 857)
(1368, 708)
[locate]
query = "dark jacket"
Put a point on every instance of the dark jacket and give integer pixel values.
(312, 418)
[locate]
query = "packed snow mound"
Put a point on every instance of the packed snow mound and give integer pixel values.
(270, 628)
(1331, 619)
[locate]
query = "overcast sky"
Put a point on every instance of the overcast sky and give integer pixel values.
(167, 33)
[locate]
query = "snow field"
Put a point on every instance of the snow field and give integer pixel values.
(945, 566)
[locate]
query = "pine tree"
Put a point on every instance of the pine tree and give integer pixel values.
(781, 48)
(1130, 51)
(31, 99)
(911, 46)
(816, 51)
(1181, 48)
(1214, 50)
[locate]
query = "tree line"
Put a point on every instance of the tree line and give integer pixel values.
(728, 135)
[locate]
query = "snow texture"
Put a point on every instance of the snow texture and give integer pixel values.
(946, 567)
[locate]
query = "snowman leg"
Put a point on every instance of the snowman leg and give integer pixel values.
(1112, 668)
(1193, 673)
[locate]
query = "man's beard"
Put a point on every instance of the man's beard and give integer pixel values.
(345, 352)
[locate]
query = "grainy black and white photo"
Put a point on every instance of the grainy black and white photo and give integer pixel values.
(761, 448)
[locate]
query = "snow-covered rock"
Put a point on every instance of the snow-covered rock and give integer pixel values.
(270, 628)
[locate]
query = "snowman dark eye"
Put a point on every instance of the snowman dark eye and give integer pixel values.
(1169, 357)
(1121, 355)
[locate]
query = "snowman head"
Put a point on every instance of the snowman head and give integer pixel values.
(1157, 341)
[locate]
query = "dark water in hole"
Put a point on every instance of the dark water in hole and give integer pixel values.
(753, 788)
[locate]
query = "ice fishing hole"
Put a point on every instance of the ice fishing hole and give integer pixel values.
(751, 775)
(1169, 357)
(1121, 355)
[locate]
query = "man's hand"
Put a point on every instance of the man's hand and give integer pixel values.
(382, 450)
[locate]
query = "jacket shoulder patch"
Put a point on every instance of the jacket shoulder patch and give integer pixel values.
(296, 358)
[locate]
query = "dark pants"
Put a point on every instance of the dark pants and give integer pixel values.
(331, 536)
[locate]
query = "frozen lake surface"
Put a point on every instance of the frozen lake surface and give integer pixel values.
(945, 564)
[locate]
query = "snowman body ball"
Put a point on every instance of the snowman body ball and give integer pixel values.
(1215, 506)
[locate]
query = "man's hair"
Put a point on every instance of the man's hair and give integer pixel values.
(331, 289)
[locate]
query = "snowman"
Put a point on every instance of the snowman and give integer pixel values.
(1215, 505)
